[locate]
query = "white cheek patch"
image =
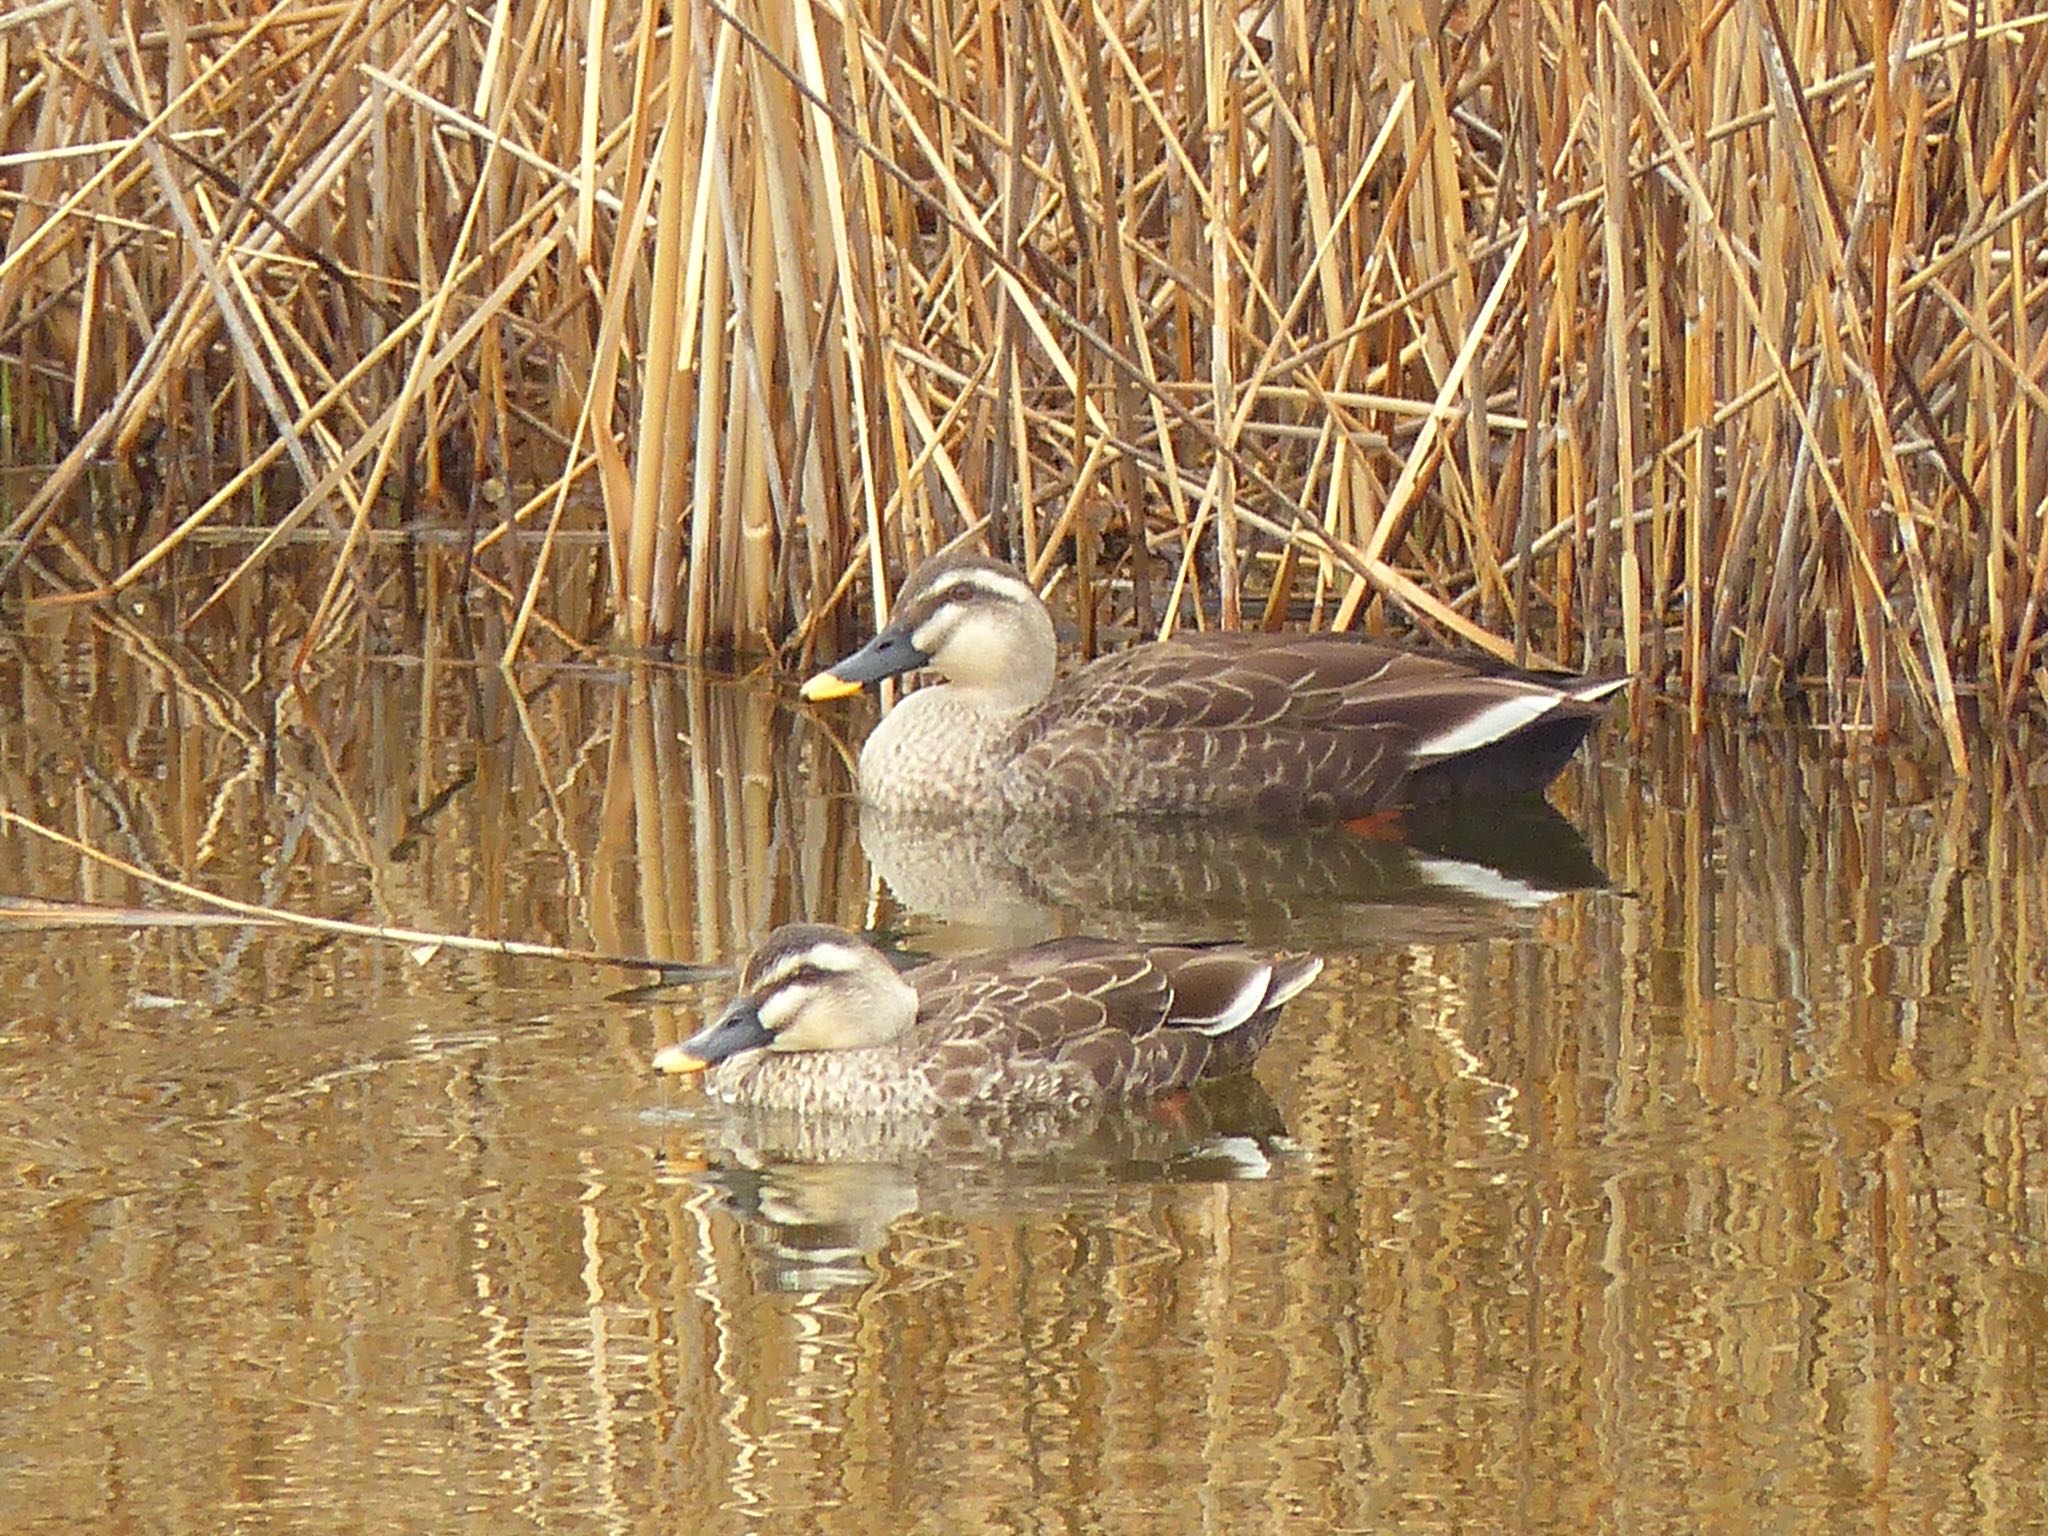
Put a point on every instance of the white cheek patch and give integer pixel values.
(980, 622)
(781, 1006)
(934, 633)
(817, 1022)
(977, 645)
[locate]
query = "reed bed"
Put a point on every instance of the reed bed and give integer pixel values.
(1701, 339)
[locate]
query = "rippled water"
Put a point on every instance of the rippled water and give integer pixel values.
(1710, 1197)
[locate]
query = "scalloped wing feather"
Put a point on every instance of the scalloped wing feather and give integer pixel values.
(1278, 725)
(1078, 1019)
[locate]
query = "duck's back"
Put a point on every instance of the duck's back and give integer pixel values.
(1270, 726)
(1083, 1020)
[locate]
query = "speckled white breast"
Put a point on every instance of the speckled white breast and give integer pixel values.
(879, 1080)
(936, 753)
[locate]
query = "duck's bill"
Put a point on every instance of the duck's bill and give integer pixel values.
(677, 1062)
(737, 1029)
(889, 654)
(828, 685)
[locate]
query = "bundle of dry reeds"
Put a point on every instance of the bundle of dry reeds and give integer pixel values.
(1705, 339)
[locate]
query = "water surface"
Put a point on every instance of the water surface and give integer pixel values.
(1686, 1177)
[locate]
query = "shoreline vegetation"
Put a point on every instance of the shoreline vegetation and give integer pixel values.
(1702, 341)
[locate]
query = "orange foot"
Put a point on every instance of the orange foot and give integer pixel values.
(1379, 827)
(1171, 1109)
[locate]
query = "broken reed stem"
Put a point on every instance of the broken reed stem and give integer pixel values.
(412, 938)
(1700, 337)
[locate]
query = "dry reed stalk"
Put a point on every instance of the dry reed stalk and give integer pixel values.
(1725, 367)
(423, 942)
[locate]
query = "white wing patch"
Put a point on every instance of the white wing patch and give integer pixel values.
(1478, 880)
(1243, 1155)
(1246, 1001)
(1593, 693)
(1494, 723)
(1287, 987)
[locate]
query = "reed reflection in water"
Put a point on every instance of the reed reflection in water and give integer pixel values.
(1707, 1199)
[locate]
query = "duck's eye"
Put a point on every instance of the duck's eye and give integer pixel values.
(805, 975)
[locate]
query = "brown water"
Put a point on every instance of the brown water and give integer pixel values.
(1712, 1200)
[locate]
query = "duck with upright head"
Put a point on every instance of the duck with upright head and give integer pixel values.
(1275, 727)
(824, 1024)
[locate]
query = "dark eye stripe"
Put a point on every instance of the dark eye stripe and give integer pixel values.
(801, 974)
(969, 591)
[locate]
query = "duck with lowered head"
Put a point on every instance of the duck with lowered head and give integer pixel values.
(1271, 726)
(824, 1024)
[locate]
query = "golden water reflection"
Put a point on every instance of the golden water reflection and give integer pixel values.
(1709, 1199)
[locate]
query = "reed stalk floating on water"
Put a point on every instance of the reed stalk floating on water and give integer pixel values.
(1708, 340)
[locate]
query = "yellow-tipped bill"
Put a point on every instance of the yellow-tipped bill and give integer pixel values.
(677, 1062)
(890, 654)
(738, 1028)
(828, 685)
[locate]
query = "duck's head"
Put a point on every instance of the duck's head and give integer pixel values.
(975, 620)
(808, 988)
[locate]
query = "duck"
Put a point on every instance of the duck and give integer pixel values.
(1271, 727)
(1444, 873)
(825, 1025)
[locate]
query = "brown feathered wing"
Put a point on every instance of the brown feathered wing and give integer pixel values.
(1087, 1019)
(1281, 726)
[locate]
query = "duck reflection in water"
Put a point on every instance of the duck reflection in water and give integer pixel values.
(819, 1197)
(1427, 876)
